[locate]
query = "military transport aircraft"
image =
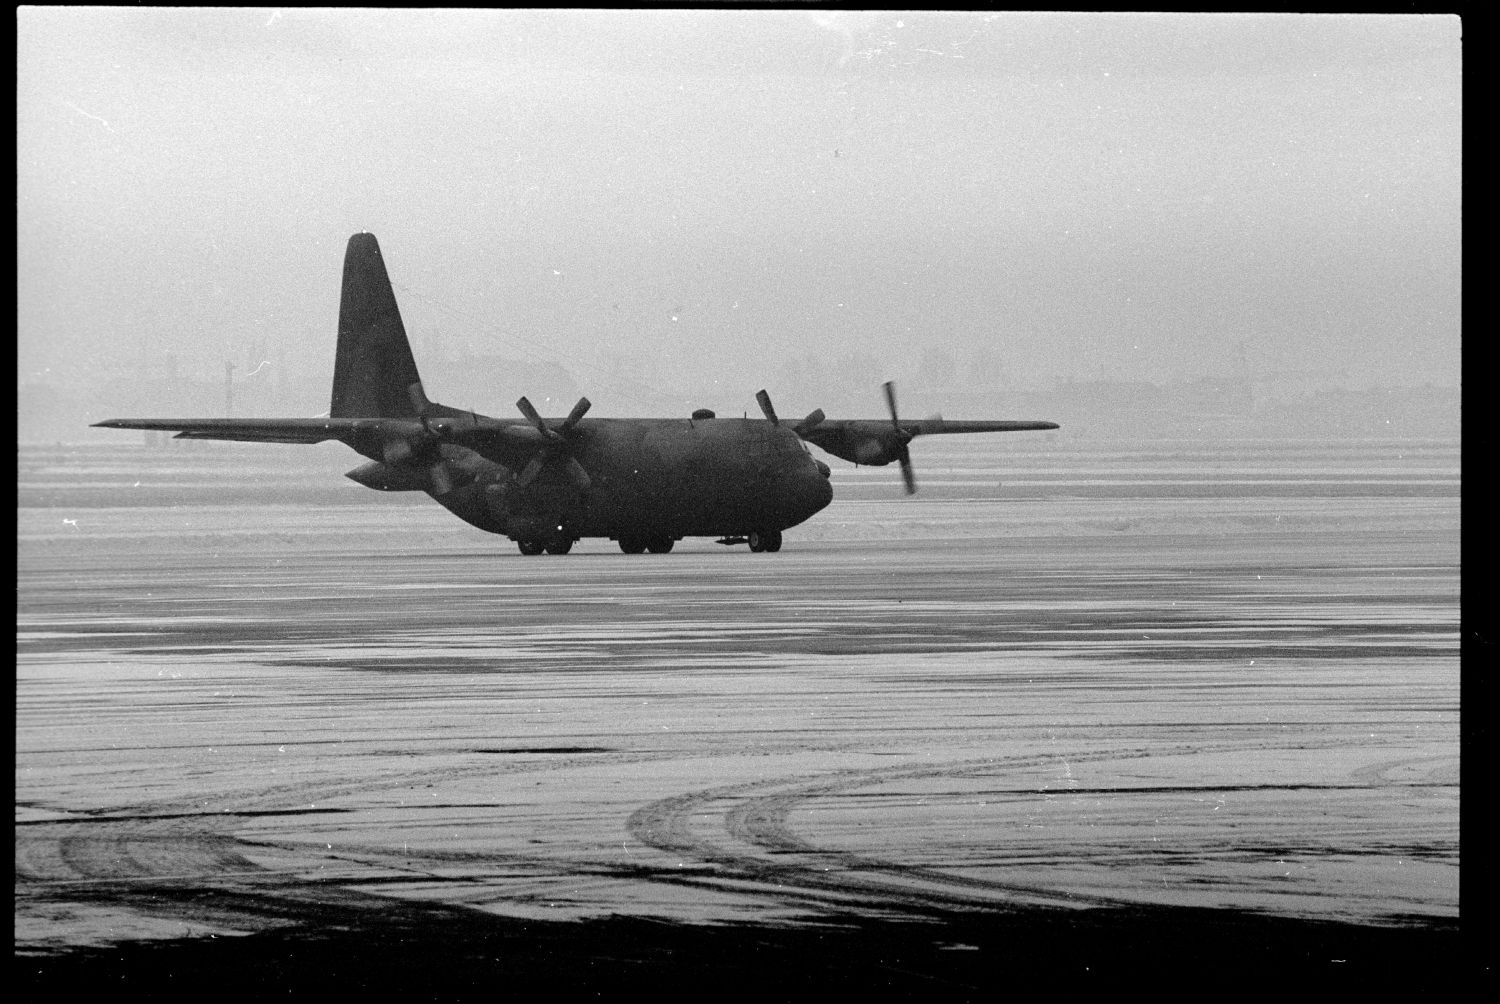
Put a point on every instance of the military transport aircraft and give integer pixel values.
(546, 483)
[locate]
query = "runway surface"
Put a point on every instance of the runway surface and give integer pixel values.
(1065, 681)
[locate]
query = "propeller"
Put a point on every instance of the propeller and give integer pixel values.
(421, 450)
(556, 443)
(812, 421)
(903, 437)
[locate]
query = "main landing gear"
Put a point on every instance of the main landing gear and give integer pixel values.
(759, 541)
(656, 545)
(530, 548)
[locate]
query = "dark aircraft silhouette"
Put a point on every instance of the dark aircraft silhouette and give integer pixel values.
(546, 483)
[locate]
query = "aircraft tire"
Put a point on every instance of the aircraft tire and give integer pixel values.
(530, 548)
(660, 545)
(559, 547)
(765, 540)
(632, 545)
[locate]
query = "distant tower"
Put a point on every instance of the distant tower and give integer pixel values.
(228, 389)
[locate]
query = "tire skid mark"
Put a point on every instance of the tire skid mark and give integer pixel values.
(125, 854)
(177, 859)
(757, 814)
(816, 873)
(1439, 771)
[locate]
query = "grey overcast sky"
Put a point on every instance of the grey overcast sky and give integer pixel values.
(1142, 197)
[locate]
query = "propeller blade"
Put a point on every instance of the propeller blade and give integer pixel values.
(811, 422)
(902, 439)
(532, 416)
(577, 474)
(532, 470)
(890, 399)
(442, 482)
(764, 400)
(907, 474)
(579, 410)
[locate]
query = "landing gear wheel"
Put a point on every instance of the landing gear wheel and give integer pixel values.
(530, 548)
(559, 547)
(765, 540)
(660, 545)
(632, 545)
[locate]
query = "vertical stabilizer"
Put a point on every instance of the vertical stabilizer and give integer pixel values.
(374, 374)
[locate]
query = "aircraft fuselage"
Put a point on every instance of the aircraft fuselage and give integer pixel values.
(648, 478)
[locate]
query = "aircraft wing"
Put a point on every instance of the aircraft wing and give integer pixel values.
(511, 442)
(251, 430)
(941, 426)
(881, 441)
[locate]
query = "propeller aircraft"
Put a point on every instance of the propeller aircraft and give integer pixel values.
(547, 483)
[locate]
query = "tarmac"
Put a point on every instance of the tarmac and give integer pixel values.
(1075, 708)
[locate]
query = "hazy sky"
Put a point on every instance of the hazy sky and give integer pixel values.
(1136, 196)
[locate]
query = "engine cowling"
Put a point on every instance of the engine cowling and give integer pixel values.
(389, 478)
(872, 443)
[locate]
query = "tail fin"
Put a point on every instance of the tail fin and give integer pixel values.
(374, 374)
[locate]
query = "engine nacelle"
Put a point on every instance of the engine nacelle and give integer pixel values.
(386, 478)
(876, 451)
(872, 443)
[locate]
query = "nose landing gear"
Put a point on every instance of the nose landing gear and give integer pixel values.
(765, 540)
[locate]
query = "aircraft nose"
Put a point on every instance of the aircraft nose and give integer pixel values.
(817, 489)
(805, 490)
